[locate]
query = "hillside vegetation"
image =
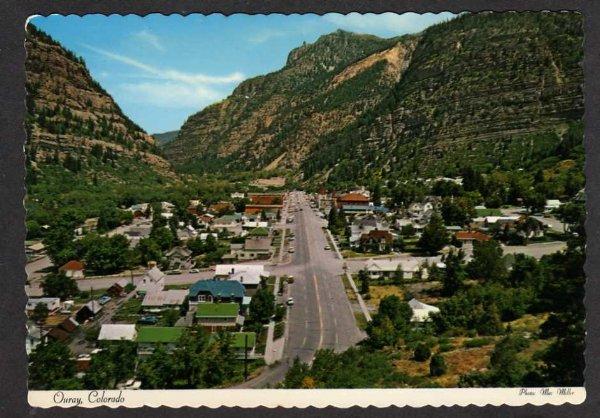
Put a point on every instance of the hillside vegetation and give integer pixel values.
(83, 153)
(499, 90)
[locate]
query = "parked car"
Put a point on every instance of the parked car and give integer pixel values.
(290, 301)
(171, 272)
(148, 320)
(327, 247)
(104, 300)
(194, 271)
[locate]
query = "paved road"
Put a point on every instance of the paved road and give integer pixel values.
(321, 316)
(537, 249)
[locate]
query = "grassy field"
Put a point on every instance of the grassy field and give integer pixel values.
(379, 292)
(129, 311)
(488, 212)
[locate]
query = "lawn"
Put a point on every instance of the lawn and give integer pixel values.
(488, 212)
(528, 323)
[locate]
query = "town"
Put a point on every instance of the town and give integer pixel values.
(259, 283)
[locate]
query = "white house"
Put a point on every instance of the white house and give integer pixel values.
(53, 304)
(552, 204)
(247, 274)
(421, 311)
(153, 281)
(117, 332)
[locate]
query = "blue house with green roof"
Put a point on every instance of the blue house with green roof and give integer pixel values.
(216, 291)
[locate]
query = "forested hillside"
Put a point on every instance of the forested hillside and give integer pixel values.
(490, 90)
(272, 121)
(494, 90)
(83, 153)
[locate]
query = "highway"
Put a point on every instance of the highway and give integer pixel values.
(321, 316)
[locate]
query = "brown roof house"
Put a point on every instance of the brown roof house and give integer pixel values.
(377, 241)
(256, 248)
(73, 269)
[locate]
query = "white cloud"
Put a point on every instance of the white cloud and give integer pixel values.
(390, 22)
(150, 39)
(170, 88)
(170, 74)
(169, 94)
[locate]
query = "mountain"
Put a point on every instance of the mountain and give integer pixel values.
(82, 151)
(273, 121)
(165, 137)
(487, 89)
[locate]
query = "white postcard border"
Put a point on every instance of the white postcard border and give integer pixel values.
(303, 398)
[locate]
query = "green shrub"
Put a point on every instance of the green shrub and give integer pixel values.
(437, 365)
(422, 352)
(477, 342)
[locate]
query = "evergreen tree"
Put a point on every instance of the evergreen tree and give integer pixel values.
(434, 235)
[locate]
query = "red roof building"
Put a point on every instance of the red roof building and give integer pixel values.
(73, 269)
(471, 236)
(352, 199)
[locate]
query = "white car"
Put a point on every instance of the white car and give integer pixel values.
(193, 271)
(290, 301)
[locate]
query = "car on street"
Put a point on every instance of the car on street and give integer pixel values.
(327, 247)
(194, 271)
(290, 301)
(291, 250)
(172, 272)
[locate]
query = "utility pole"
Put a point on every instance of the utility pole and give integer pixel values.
(245, 357)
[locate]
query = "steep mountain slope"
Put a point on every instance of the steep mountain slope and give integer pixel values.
(486, 89)
(164, 138)
(80, 145)
(490, 89)
(273, 120)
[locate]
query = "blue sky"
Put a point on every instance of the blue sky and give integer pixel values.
(161, 69)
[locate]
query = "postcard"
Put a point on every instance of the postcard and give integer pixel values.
(305, 210)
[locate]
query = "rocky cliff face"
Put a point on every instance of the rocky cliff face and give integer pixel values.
(273, 121)
(487, 89)
(490, 89)
(71, 117)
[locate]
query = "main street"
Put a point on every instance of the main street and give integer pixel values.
(321, 317)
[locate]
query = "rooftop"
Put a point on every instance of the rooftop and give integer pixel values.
(159, 334)
(218, 288)
(113, 332)
(217, 310)
(72, 265)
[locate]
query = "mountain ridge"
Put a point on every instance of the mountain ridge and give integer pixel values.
(474, 85)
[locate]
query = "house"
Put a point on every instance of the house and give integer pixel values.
(221, 207)
(266, 199)
(35, 248)
(269, 210)
(363, 209)
(179, 257)
(377, 240)
(351, 199)
(148, 338)
(34, 337)
(256, 248)
(207, 291)
(153, 281)
(469, 237)
(217, 316)
(249, 225)
(88, 311)
(205, 220)
(118, 288)
(53, 304)
(204, 235)
(90, 224)
(495, 221)
(117, 332)
(229, 223)
(237, 195)
(421, 311)
(73, 269)
(552, 204)
(248, 275)
(171, 298)
(364, 226)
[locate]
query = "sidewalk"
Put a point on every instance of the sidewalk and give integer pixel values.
(274, 348)
(361, 302)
